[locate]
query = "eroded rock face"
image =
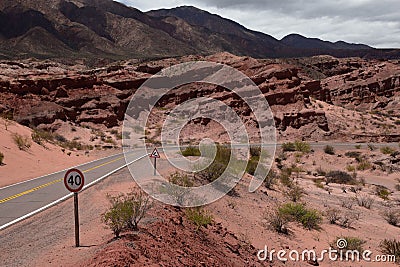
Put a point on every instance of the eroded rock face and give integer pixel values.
(372, 84)
(40, 94)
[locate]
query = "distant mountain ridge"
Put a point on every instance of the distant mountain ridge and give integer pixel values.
(96, 29)
(301, 42)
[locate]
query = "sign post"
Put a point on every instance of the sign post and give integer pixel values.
(74, 181)
(156, 156)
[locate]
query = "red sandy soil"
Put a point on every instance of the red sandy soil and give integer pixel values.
(166, 238)
(38, 160)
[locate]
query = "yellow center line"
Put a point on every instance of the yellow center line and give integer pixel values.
(54, 182)
(30, 191)
(104, 164)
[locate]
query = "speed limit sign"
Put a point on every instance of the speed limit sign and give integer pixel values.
(74, 180)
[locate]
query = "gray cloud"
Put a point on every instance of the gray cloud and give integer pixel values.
(376, 23)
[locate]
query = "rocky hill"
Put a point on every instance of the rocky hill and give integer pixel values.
(98, 30)
(312, 98)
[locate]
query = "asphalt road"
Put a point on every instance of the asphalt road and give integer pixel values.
(22, 200)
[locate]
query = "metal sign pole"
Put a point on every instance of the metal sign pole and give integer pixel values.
(76, 219)
(155, 166)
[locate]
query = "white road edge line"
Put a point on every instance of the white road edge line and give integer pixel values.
(60, 171)
(67, 196)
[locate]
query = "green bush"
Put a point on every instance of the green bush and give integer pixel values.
(387, 150)
(364, 165)
(391, 247)
(382, 192)
(252, 165)
(353, 154)
(340, 177)
(199, 217)
(353, 244)
(40, 137)
(329, 150)
(178, 180)
(218, 166)
(296, 146)
(22, 142)
(191, 151)
(126, 211)
(285, 177)
(288, 147)
(295, 193)
(118, 216)
(309, 218)
(302, 146)
(278, 221)
(255, 151)
(1, 158)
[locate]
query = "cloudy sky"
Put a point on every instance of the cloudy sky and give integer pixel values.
(371, 22)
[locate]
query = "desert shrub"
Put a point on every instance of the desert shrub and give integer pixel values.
(392, 217)
(59, 138)
(40, 137)
(387, 150)
(382, 192)
(347, 203)
(218, 166)
(285, 177)
(347, 219)
(199, 217)
(140, 203)
(340, 177)
(191, 151)
(116, 217)
(295, 193)
(391, 247)
(22, 142)
(309, 218)
(329, 150)
(178, 180)
(353, 243)
(296, 169)
(1, 158)
(364, 201)
(353, 154)
(350, 168)
(109, 140)
(252, 165)
(333, 215)
(270, 179)
(288, 147)
(303, 147)
(126, 211)
(255, 151)
(278, 222)
(364, 165)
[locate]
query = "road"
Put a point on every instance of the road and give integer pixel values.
(23, 200)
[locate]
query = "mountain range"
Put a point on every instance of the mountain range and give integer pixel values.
(105, 29)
